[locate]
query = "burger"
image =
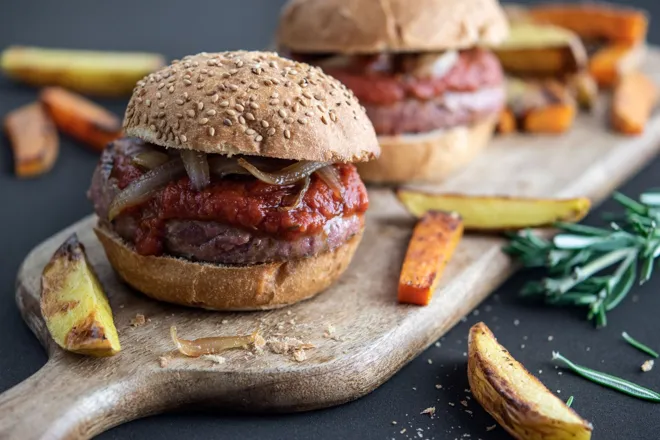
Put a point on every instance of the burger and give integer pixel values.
(430, 88)
(235, 187)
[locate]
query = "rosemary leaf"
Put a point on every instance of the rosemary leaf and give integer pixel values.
(638, 345)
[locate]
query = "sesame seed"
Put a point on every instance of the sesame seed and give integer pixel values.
(324, 120)
(295, 107)
(293, 72)
(225, 75)
(211, 62)
(183, 138)
(282, 113)
(186, 96)
(161, 85)
(187, 82)
(179, 115)
(227, 122)
(148, 102)
(200, 106)
(241, 120)
(274, 101)
(250, 131)
(302, 121)
(211, 112)
(259, 138)
(215, 98)
(318, 97)
(239, 63)
(239, 107)
(287, 134)
(170, 89)
(176, 125)
(276, 81)
(161, 105)
(233, 87)
(271, 131)
(190, 113)
(152, 127)
(249, 116)
(264, 124)
(211, 131)
(162, 123)
(333, 117)
(203, 121)
(287, 103)
(139, 100)
(253, 86)
(224, 104)
(307, 95)
(310, 114)
(268, 82)
(272, 64)
(254, 105)
(159, 95)
(288, 120)
(231, 112)
(233, 71)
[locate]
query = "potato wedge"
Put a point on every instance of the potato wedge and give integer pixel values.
(541, 106)
(80, 118)
(613, 61)
(91, 72)
(634, 98)
(584, 89)
(541, 50)
(594, 21)
(74, 306)
(517, 400)
(431, 247)
(33, 139)
(490, 213)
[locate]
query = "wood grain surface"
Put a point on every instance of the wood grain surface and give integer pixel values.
(77, 397)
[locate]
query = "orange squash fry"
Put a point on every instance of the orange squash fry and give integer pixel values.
(506, 123)
(432, 245)
(634, 98)
(617, 24)
(80, 118)
(33, 140)
(553, 119)
(613, 61)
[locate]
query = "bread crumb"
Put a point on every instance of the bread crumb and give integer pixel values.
(121, 306)
(139, 320)
(329, 332)
(430, 411)
(516, 322)
(289, 346)
(550, 338)
(490, 428)
(468, 411)
(402, 431)
(451, 404)
(430, 361)
(224, 321)
(299, 355)
(164, 361)
(437, 344)
(438, 386)
(464, 403)
(259, 341)
(647, 366)
(214, 358)
(394, 422)
(288, 312)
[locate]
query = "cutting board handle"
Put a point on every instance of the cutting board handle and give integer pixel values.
(57, 402)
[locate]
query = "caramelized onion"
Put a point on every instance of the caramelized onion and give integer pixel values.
(286, 176)
(142, 189)
(224, 166)
(301, 195)
(330, 176)
(150, 159)
(213, 345)
(197, 168)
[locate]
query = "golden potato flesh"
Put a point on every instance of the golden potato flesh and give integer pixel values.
(74, 306)
(518, 401)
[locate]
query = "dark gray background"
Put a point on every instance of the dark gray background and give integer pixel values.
(32, 210)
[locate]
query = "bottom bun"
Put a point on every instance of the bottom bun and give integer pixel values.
(217, 287)
(428, 157)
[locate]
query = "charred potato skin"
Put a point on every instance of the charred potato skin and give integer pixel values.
(88, 336)
(517, 416)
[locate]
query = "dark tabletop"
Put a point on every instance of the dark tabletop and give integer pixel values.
(32, 210)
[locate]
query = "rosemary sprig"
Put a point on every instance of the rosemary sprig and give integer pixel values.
(607, 380)
(638, 345)
(594, 267)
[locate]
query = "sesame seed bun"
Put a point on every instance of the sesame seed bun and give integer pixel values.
(231, 288)
(252, 103)
(371, 26)
(429, 157)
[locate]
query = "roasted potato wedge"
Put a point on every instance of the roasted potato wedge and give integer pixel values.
(432, 245)
(541, 50)
(612, 62)
(518, 401)
(74, 306)
(541, 106)
(33, 139)
(489, 213)
(595, 21)
(80, 118)
(90, 72)
(634, 98)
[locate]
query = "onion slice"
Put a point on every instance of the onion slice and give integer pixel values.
(213, 345)
(142, 189)
(197, 168)
(150, 159)
(301, 195)
(224, 166)
(330, 176)
(286, 176)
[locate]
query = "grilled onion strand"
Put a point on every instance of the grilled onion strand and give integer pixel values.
(286, 176)
(197, 168)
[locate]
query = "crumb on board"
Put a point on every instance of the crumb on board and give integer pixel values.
(403, 431)
(647, 366)
(139, 320)
(164, 361)
(430, 411)
(224, 321)
(214, 358)
(464, 403)
(438, 386)
(299, 355)
(289, 346)
(491, 427)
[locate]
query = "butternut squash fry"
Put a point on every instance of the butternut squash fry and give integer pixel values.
(33, 140)
(608, 64)
(506, 123)
(541, 107)
(553, 119)
(432, 245)
(634, 98)
(617, 24)
(80, 118)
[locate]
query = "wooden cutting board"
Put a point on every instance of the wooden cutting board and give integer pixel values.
(77, 397)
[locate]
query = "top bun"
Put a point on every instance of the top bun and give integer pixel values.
(252, 103)
(371, 26)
